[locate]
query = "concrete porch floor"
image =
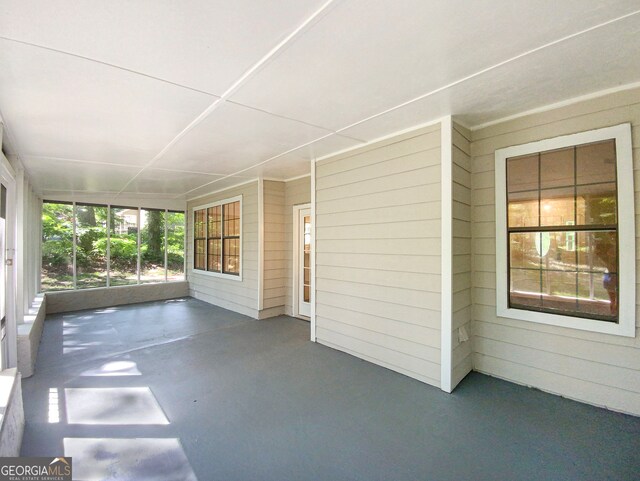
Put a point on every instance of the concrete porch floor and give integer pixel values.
(179, 390)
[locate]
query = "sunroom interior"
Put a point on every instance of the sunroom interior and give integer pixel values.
(376, 222)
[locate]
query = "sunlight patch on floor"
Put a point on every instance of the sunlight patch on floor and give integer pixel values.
(114, 368)
(113, 406)
(139, 459)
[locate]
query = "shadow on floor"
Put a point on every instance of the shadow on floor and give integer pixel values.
(179, 390)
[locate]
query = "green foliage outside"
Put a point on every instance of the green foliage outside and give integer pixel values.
(91, 246)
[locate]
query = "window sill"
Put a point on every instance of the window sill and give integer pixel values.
(219, 275)
(626, 329)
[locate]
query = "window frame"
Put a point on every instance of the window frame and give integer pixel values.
(626, 232)
(221, 274)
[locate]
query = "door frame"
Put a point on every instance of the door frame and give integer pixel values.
(296, 259)
(8, 178)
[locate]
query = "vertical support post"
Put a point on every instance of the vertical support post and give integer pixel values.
(446, 324)
(108, 245)
(313, 249)
(260, 245)
(139, 237)
(166, 244)
(74, 249)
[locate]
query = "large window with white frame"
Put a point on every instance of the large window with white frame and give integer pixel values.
(565, 237)
(217, 242)
(93, 245)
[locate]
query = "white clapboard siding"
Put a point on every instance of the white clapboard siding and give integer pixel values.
(591, 367)
(239, 296)
(378, 285)
(297, 192)
(461, 252)
(275, 249)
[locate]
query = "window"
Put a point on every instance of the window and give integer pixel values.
(217, 237)
(88, 245)
(565, 240)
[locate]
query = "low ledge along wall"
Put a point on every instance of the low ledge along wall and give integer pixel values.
(12, 420)
(29, 334)
(77, 300)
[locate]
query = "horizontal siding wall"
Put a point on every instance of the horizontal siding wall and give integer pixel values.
(461, 251)
(378, 253)
(239, 296)
(596, 368)
(296, 192)
(275, 273)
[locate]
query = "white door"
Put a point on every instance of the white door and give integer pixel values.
(304, 263)
(4, 358)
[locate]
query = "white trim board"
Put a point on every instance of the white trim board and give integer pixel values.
(260, 243)
(626, 232)
(313, 251)
(446, 324)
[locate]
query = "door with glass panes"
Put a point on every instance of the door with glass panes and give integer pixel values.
(304, 263)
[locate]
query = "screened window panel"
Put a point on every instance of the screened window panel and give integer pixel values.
(57, 246)
(91, 246)
(123, 246)
(175, 245)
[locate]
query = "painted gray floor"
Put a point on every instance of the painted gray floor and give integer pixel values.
(223, 397)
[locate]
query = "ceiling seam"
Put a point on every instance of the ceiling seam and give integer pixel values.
(107, 64)
(112, 164)
(292, 120)
(440, 89)
(237, 84)
(260, 163)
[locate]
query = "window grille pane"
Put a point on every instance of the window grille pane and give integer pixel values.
(522, 247)
(525, 288)
(597, 204)
(232, 219)
(596, 162)
(214, 222)
(199, 223)
(557, 168)
(215, 256)
(557, 206)
(522, 173)
(231, 256)
(198, 258)
(523, 209)
(598, 251)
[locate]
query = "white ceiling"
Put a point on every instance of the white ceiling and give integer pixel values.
(171, 100)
